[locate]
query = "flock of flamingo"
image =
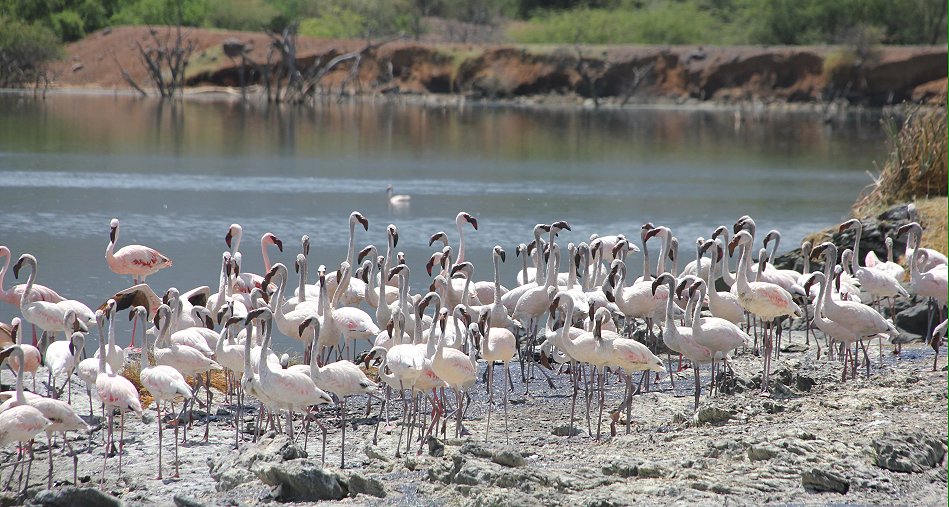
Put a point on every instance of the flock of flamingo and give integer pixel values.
(430, 342)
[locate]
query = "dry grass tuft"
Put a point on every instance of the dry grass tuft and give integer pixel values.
(916, 167)
(219, 380)
(934, 217)
(132, 371)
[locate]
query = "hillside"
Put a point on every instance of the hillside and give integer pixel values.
(617, 73)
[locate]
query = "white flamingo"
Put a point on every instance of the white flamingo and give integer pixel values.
(23, 422)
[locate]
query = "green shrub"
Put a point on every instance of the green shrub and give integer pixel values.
(659, 23)
(355, 18)
(24, 51)
(252, 15)
(68, 25)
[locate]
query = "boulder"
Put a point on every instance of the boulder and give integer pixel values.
(231, 470)
(302, 480)
(71, 496)
(823, 480)
(914, 319)
(359, 485)
(908, 453)
(508, 458)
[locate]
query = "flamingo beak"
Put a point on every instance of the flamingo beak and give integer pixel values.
(502, 255)
(655, 284)
(276, 241)
(473, 221)
(227, 238)
(395, 239)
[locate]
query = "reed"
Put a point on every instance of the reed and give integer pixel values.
(915, 167)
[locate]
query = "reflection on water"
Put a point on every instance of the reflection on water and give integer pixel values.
(178, 174)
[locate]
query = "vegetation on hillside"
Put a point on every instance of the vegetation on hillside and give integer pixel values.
(547, 21)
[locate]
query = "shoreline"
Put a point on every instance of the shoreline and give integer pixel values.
(533, 102)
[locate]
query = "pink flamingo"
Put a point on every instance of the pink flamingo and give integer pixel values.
(23, 422)
(116, 392)
(136, 260)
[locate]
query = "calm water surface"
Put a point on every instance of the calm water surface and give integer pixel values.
(178, 175)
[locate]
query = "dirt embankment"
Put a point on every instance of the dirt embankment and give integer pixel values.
(614, 73)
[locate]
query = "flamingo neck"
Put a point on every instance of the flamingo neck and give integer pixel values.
(697, 311)
(523, 272)
(854, 264)
(497, 281)
(21, 367)
(670, 324)
(741, 278)
(3, 274)
(25, 297)
(263, 253)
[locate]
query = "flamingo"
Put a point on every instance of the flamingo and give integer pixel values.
(496, 344)
(722, 304)
(164, 383)
(878, 283)
(246, 281)
(31, 354)
(766, 300)
(357, 289)
(718, 335)
(936, 340)
(859, 318)
(136, 260)
(872, 261)
(456, 368)
(682, 338)
(61, 357)
(286, 389)
(834, 330)
(342, 378)
(46, 315)
(932, 283)
(114, 354)
(116, 393)
(395, 199)
(187, 360)
(61, 414)
(23, 422)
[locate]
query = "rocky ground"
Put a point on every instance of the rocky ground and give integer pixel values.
(813, 440)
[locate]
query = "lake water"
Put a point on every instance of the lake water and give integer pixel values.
(177, 175)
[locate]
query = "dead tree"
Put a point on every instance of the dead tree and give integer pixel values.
(285, 82)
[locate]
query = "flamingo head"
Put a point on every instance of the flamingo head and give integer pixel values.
(113, 229)
(234, 231)
(464, 215)
(306, 244)
(720, 230)
(272, 239)
(499, 252)
(817, 277)
(661, 279)
(464, 267)
(848, 224)
(355, 217)
(24, 259)
(393, 234)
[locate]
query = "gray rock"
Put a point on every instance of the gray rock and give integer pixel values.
(477, 450)
(71, 496)
(908, 453)
(232, 470)
(181, 501)
(565, 430)
(622, 468)
(914, 319)
(508, 458)
(302, 480)
(712, 415)
(761, 453)
(794, 348)
(359, 485)
(436, 447)
(819, 480)
(648, 470)
(372, 452)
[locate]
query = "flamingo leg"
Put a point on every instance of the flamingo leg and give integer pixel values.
(487, 429)
(158, 407)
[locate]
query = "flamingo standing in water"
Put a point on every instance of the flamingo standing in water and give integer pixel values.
(136, 260)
